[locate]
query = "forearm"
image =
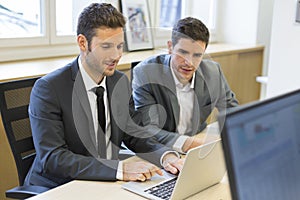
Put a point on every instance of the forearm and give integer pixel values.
(67, 165)
(59, 161)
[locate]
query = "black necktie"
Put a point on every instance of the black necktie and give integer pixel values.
(102, 122)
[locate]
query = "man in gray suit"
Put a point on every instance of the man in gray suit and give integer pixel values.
(175, 93)
(64, 120)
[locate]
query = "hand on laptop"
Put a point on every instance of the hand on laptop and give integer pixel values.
(139, 171)
(192, 142)
(172, 163)
(198, 140)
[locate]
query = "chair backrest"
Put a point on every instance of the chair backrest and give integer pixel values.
(14, 101)
(132, 65)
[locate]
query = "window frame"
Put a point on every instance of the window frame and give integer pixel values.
(54, 38)
(52, 45)
(48, 45)
(161, 35)
(32, 41)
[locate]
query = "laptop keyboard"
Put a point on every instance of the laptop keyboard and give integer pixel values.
(163, 190)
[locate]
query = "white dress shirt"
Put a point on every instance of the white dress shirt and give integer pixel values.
(185, 95)
(90, 87)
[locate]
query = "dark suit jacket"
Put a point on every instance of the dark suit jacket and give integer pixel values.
(63, 130)
(154, 94)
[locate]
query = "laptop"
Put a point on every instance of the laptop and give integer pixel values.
(204, 166)
(261, 143)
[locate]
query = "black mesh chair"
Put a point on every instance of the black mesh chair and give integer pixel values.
(14, 101)
(132, 65)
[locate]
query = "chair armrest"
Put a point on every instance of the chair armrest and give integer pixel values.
(23, 192)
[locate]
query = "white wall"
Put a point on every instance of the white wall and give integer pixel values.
(265, 17)
(237, 21)
(246, 22)
(284, 62)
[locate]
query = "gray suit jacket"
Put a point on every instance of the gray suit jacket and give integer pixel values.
(64, 135)
(154, 94)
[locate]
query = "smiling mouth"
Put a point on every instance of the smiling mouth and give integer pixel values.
(111, 64)
(187, 70)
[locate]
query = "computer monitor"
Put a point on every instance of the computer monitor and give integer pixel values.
(261, 143)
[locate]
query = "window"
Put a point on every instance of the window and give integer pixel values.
(20, 19)
(169, 11)
(65, 20)
(205, 10)
(22, 23)
(46, 28)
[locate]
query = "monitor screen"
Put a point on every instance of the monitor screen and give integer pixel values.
(261, 144)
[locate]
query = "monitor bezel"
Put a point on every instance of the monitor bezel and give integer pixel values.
(232, 112)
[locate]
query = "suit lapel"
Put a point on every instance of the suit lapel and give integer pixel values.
(115, 135)
(81, 106)
(196, 111)
(198, 99)
(169, 82)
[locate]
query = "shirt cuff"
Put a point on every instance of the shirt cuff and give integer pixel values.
(119, 174)
(167, 152)
(179, 143)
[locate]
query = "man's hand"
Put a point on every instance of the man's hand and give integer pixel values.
(198, 140)
(192, 142)
(172, 163)
(139, 171)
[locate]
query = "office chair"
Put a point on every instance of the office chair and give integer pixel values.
(14, 101)
(132, 65)
(124, 152)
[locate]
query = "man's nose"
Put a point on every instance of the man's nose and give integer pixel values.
(188, 60)
(116, 53)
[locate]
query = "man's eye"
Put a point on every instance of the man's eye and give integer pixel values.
(198, 55)
(106, 46)
(120, 46)
(183, 52)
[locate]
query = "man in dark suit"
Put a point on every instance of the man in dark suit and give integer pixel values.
(64, 120)
(175, 93)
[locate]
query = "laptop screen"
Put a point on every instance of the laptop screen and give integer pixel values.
(261, 144)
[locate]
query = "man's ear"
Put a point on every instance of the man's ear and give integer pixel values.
(82, 42)
(169, 47)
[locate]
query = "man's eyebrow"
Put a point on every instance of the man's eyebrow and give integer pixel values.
(106, 43)
(182, 50)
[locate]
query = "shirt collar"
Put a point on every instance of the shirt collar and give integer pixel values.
(89, 83)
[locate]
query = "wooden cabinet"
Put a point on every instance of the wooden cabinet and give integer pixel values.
(241, 65)
(241, 69)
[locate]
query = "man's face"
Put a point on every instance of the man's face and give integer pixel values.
(186, 57)
(106, 49)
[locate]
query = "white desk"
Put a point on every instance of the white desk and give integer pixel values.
(78, 190)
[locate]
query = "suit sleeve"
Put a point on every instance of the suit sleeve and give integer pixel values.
(228, 98)
(48, 128)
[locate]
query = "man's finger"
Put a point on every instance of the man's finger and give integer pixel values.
(170, 168)
(147, 175)
(141, 177)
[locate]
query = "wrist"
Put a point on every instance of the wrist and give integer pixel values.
(169, 155)
(187, 144)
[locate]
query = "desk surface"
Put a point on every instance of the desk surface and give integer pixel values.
(112, 190)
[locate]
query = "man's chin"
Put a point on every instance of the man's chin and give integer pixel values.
(109, 72)
(186, 79)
